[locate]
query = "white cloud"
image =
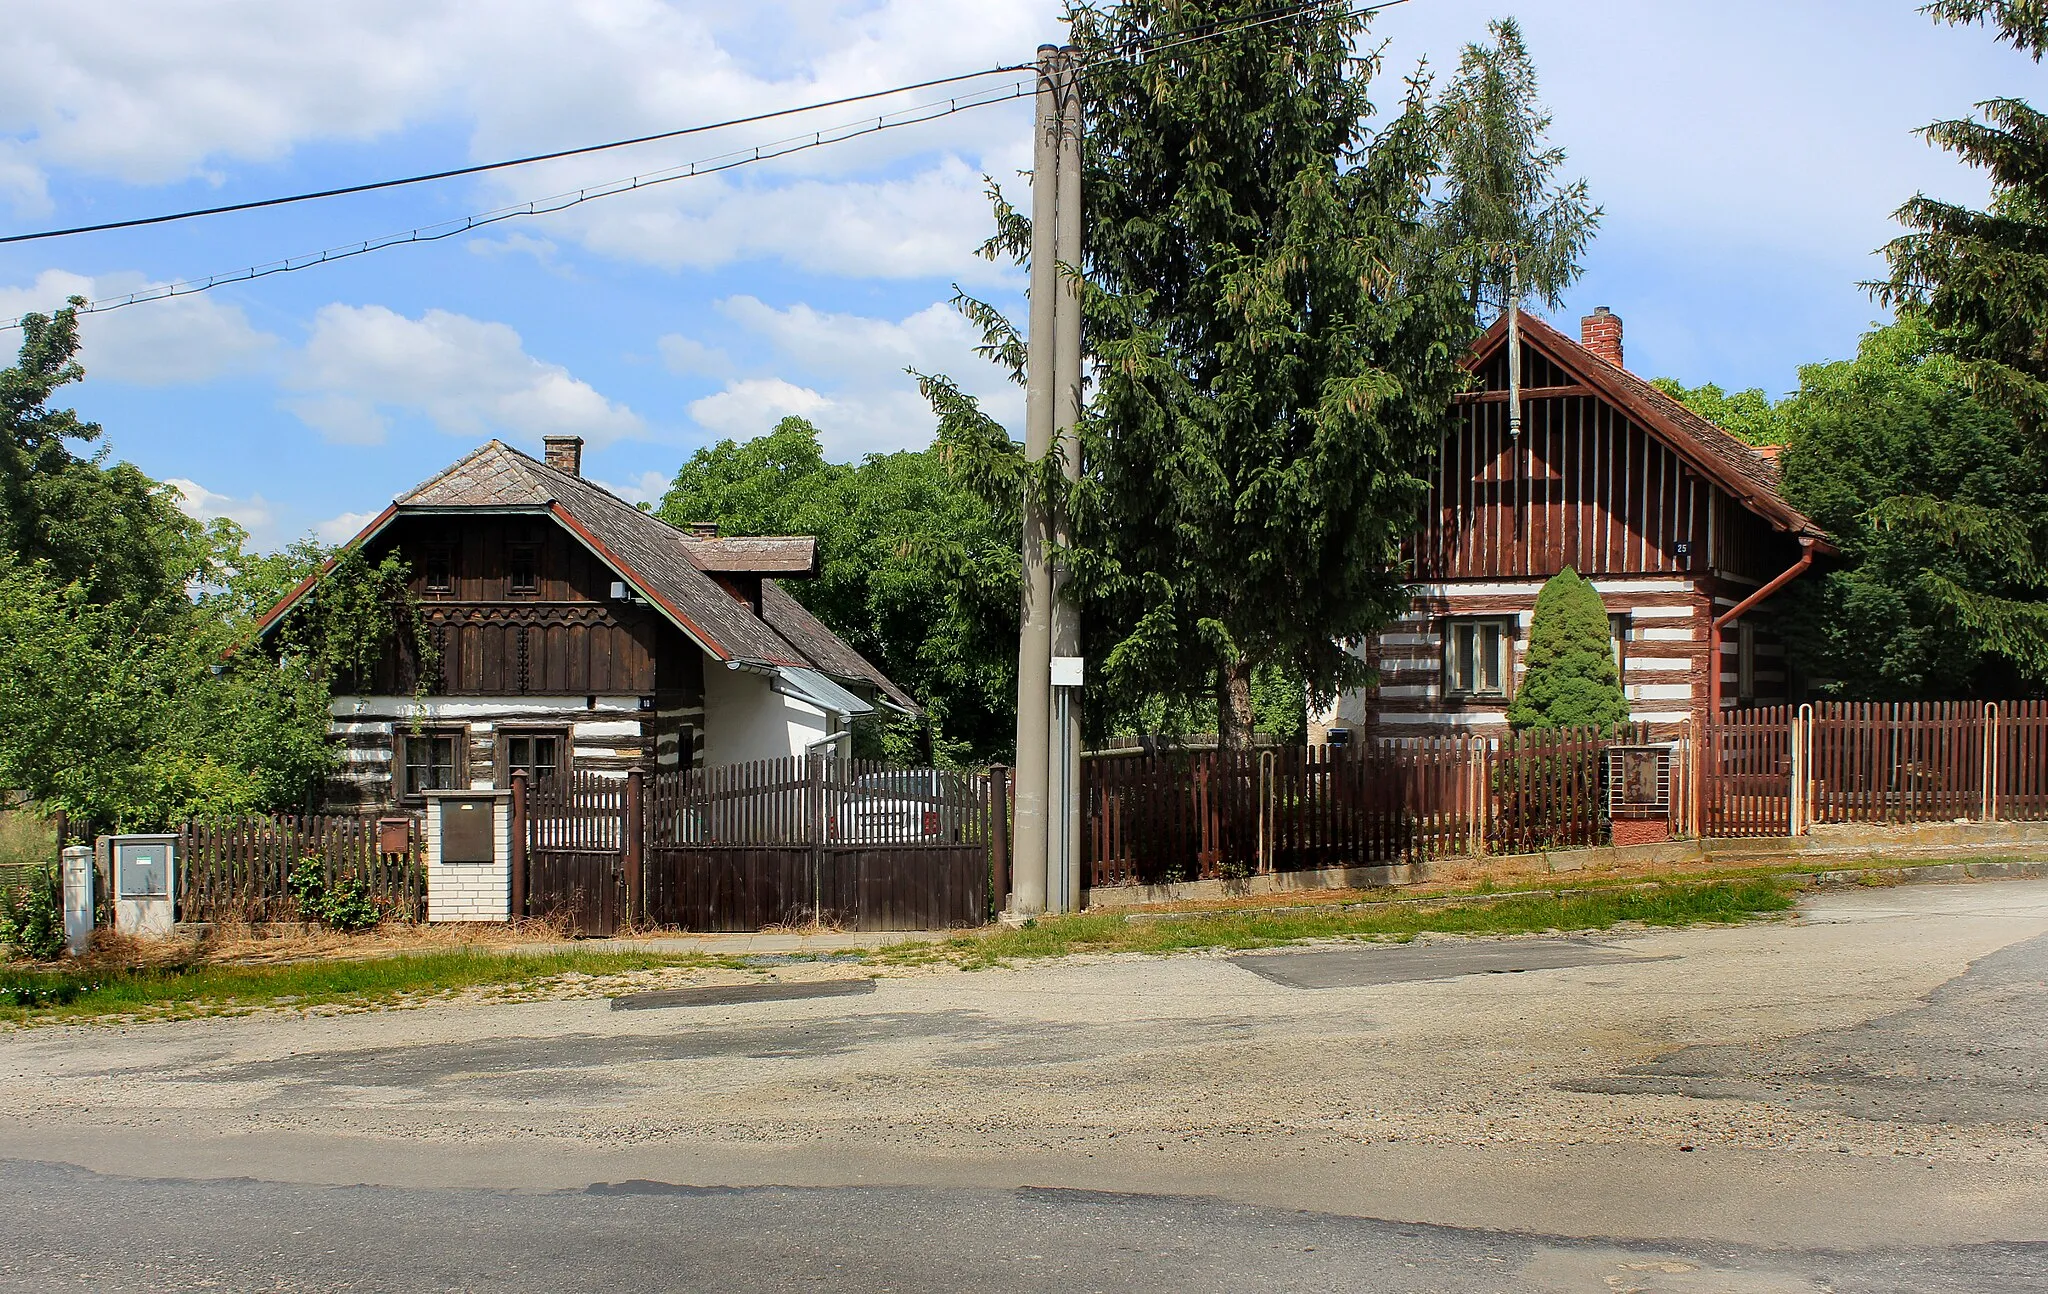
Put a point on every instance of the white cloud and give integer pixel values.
(252, 514)
(689, 357)
(161, 343)
(648, 487)
(341, 529)
(467, 376)
(147, 94)
(848, 375)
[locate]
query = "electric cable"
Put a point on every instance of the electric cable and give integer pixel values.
(563, 201)
(374, 185)
(911, 116)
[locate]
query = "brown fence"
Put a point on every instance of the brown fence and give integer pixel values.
(1745, 773)
(860, 845)
(2020, 748)
(1877, 762)
(242, 869)
(1153, 819)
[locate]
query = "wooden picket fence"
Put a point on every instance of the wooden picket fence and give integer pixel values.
(241, 869)
(1187, 815)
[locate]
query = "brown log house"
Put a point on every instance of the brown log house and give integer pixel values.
(1682, 528)
(575, 631)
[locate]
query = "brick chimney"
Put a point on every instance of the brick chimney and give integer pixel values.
(565, 453)
(1600, 332)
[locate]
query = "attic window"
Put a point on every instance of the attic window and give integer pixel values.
(440, 566)
(522, 562)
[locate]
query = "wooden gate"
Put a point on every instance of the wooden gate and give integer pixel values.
(817, 841)
(575, 852)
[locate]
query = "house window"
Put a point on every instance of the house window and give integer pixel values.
(1745, 664)
(439, 564)
(522, 562)
(1476, 656)
(539, 755)
(433, 760)
(1618, 633)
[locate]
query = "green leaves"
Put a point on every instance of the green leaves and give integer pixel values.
(1569, 678)
(1275, 356)
(918, 570)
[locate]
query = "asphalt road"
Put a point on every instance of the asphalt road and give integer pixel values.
(1855, 1102)
(73, 1230)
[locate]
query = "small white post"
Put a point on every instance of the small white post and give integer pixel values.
(1989, 797)
(78, 898)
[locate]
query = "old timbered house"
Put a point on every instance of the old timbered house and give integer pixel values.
(573, 630)
(1679, 525)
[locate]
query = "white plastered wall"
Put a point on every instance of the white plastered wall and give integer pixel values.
(745, 718)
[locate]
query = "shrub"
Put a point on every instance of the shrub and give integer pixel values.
(1570, 680)
(32, 915)
(345, 905)
(348, 906)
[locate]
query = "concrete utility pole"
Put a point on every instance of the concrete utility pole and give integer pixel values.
(1064, 750)
(1051, 407)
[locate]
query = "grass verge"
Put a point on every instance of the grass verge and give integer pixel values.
(161, 992)
(1655, 905)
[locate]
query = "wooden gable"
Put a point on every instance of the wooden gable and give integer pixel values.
(1603, 479)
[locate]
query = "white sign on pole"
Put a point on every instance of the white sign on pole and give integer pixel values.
(1066, 671)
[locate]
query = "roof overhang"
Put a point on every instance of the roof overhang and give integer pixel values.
(1595, 374)
(813, 688)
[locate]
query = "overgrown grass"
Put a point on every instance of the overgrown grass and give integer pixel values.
(1656, 905)
(74, 993)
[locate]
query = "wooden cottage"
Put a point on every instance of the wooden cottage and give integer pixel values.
(1679, 525)
(575, 631)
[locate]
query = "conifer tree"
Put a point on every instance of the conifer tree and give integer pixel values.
(1275, 350)
(1498, 189)
(1569, 679)
(1981, 279)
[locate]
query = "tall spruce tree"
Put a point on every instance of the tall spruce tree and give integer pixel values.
(1981, 279)
(1499, 194)
(1569, 679)
(1275, 350)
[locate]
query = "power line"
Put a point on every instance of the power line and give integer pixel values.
(911, 116)
(1263, 18)
(374, 185)
(706, 166)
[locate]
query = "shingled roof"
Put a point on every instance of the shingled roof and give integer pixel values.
(658, 560)
(1751, 477)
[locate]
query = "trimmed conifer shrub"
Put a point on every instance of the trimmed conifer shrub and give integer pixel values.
(1569, 679)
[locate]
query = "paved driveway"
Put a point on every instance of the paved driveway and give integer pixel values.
(1852, 1101)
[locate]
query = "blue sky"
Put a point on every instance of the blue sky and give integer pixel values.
(1748, 155)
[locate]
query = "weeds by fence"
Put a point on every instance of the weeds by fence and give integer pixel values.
(242, 869)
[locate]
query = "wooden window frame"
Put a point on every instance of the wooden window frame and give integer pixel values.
(565, 761)
(459, 765)
(1448, 630)
(441, 556)
(529, 550)
(1621, 631)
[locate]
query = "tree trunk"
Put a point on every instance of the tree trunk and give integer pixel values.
(1234, 706)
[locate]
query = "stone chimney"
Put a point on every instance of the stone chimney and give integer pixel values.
(565, 453)
(1600, 332)
(704, 529)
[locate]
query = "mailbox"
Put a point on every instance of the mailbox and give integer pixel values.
(145, 884)
(468, 830)
(394, 835)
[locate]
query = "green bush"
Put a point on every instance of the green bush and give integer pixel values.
(1569, 680)
(32, 916)
(345, 905)
(348, 906)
